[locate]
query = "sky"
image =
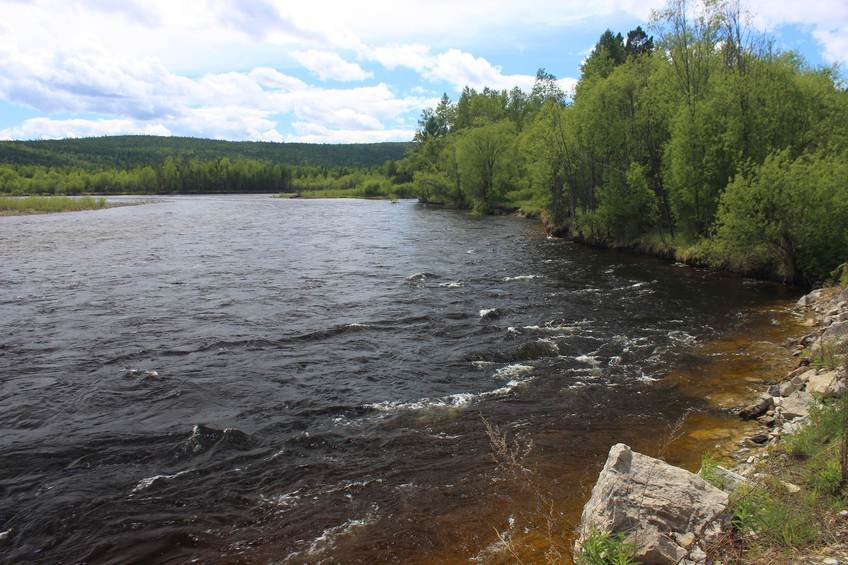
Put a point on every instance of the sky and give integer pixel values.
(322, 71)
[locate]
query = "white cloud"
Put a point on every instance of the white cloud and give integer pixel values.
(415, 56)
(835, 44)
(329, 65)
(143, 96)
(46, 128)
(224, 68)
(460, 69)
(313, 133)
(454, 66)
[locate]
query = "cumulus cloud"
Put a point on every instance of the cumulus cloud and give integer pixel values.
(329, 65)
(224, 68)
(46, 128)
(314, 133)
(453, 66)
(143, 96)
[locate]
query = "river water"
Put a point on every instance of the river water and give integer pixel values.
(247, 379)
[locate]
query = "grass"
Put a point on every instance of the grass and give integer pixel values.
(827, 356)
(47, 204)
(774, 519)
(779, 518)
(605, 549)
(709, 470)
(374, 189)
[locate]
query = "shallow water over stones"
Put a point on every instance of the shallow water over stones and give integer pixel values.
(247, 379)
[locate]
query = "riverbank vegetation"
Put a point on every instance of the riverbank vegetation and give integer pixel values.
(797, 504)
(164, 165)
(44, 204)
(703, 140)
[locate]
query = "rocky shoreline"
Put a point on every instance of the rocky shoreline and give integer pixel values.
(668, 515)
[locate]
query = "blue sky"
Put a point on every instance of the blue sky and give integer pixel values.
(317, 71)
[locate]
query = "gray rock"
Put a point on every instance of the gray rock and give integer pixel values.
(651, 501)
(730, 481)
(757, 409)
(826, 384)
(836, 331)
(791, 487)
(787, 387)
(796, 404)
(758, 440)
(799, 370)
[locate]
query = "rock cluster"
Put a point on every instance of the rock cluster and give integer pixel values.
(786, 405)
(670, 515)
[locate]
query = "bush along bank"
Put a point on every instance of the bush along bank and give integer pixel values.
(701, 141)
(782, 498)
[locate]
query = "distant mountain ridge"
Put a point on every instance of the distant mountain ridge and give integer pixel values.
(128, 151)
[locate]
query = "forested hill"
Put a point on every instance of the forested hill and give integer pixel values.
(142, 150)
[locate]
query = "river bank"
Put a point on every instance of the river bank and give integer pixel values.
(30, 205)
(775, 497)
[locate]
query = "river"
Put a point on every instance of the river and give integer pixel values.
(244, 379)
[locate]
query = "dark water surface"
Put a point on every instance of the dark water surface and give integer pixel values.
(247, 379)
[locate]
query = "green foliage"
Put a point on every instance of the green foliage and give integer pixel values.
(436, 187)
(485, 159)
(709, 470)
(776, 516)
(626, 205)
(839, 276)
(826, 478)
(173, 176)
(788, 216)
(705, 138)
(605, 549)
(824, 428)
(791, 518)
(827, 357)
(34, 204)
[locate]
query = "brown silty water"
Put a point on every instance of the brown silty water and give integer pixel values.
(727, 371)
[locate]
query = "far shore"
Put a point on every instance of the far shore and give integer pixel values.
(30, 205)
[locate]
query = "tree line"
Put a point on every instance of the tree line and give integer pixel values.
(702, 139)
(198, 176)
(184, 176)
(131, 151)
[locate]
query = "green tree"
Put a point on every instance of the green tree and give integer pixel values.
(484, 159)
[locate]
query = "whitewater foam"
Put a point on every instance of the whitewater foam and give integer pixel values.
(451, 401)
(521, 278)
(149, 481)
(488, 312)
(514, 370)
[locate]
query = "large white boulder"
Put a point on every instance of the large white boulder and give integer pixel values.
(654, 504)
